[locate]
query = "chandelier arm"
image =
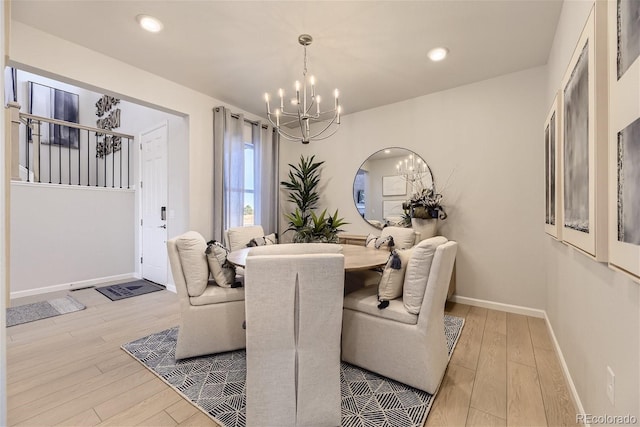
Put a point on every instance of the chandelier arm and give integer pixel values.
(289, 122)
(311, 104)
(323, 130)
(315, 138)
(289, 136)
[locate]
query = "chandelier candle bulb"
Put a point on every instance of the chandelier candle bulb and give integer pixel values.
(266, 99)
(312, 80)
(281, 93)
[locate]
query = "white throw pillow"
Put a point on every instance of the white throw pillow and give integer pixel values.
(271, 239)
(417, 274)
(403, 237)
(377, 242)
(191, 249)
(223, 272)
(391, 282)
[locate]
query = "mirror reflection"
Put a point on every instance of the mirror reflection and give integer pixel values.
(384, 181)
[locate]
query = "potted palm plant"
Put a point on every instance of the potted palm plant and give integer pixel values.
(302, 187)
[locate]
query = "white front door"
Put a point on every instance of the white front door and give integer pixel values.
(153, 187)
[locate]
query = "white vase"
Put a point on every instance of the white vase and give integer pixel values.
(426, 227)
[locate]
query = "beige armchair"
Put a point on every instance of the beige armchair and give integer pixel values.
(405, 341)
(211, 316)
(238, 237)
(294, 316)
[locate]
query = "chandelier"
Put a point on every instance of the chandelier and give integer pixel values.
(306, 108)
(413, 171)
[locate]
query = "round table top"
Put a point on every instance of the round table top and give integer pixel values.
(355, 257)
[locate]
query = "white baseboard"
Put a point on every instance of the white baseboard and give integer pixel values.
(533, 312)
(73, 285)
(516, 309)
(563, 364)
(172, 288)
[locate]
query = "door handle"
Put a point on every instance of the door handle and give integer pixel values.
(163, 226)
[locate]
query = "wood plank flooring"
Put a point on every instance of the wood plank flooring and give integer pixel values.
(70, 371)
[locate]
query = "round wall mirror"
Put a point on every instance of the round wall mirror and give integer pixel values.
(384, 181)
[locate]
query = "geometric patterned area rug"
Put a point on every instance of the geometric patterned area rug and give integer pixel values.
(42, 310)
(128, 290)
(215, 384)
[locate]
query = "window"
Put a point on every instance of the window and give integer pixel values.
(249, 177)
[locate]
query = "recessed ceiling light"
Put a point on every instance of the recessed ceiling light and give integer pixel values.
(387, 151)
(149, 23)
(438, 54)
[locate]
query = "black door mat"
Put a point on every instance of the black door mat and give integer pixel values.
(130, 289)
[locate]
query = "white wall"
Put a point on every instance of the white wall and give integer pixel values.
(62, 235)
(482, 142)
(34, 50)
(594, 311)
(135, 119)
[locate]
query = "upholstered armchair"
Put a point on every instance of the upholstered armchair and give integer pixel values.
(238, 237)
(211, 315)
(406, 340)
(294, 316)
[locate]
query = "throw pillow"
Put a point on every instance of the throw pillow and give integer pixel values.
(390, 286)
(379, 242)
(417, 274)
(402, 237)
(271, 239)
(191, 247)
(224, 273)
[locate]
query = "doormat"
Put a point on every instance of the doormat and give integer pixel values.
(128, 290)
(42, 310)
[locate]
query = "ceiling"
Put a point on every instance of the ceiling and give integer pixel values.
(375, 52)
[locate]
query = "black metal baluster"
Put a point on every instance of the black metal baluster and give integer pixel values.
(113, 164)
(120, 163)
(59, 161)
(27, 148)
(88, 157)
(96, 159)
(50, 144)
(70, 129)
(128, 160)
(105, 162)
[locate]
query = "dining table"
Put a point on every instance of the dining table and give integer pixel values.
(356, 257)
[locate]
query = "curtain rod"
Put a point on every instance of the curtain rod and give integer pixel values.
(253, 122)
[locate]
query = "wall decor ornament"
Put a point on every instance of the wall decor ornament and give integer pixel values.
(109, 119)
(553, 178)
(584, 140)
(624, 136)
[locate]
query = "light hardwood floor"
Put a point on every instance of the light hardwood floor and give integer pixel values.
(69, 370)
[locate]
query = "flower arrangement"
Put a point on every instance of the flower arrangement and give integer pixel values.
(426, 204)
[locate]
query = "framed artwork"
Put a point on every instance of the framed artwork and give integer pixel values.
(624, 135)
(584, 140)
(394, 185)
(553, 180)
(392, 208)
(58, 104)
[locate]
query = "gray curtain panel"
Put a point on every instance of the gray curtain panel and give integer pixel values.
(228, 171)
(266, 143)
